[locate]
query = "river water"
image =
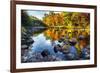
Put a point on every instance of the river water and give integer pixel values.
(50, 38)
(47, 39)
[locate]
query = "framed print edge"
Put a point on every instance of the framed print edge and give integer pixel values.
(95, 35)
(13, 36)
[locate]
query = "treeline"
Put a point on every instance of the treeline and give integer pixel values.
(71, 19)
(30, 21)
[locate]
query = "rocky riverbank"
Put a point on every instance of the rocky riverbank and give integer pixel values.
(65, 49)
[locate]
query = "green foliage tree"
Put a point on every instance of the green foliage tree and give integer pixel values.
(25, 19)
(30, 21)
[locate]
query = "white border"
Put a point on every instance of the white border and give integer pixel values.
(20, 65)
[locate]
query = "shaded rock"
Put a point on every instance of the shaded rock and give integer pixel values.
(57, 48)
(35, 57)
(27, 42)
(61, 39)
(45, 52)
(81, 37)
(49, 58)
(85, 53)
(24, 46)
(70, 56)
(30, 41)
(72, 41)
(65, 49)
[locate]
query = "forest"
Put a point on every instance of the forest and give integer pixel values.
(68, 34)
(63, 19)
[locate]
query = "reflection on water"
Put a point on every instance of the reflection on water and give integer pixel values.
(56, 33)
(57, 44)
(41, 43)
(47, 38)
